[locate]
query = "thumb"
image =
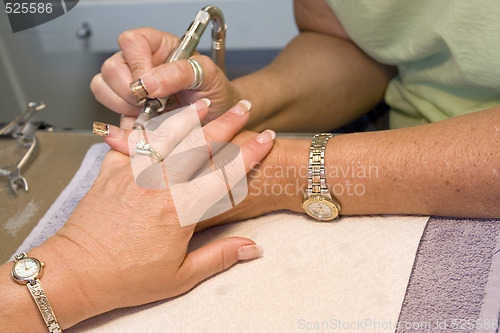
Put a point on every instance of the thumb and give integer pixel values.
(217, 257)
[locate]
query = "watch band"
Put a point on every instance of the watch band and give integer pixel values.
(316, 178)
(42, 302)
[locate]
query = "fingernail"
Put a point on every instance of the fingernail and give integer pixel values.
(241, 107)
(250, 252)
(266, 136)
(202, 103)
(206, 101)
(108, 130)
(100, 129)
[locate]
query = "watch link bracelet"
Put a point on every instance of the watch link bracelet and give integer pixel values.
(318, 202)
(28, 270)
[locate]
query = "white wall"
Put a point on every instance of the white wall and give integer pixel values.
(49, 63)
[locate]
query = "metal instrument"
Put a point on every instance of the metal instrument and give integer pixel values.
(186, 47)
(18, 125)
(20, 129)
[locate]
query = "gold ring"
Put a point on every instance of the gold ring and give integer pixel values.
(139, 90)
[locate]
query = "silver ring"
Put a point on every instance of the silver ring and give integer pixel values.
(199, 75)
(144, 148)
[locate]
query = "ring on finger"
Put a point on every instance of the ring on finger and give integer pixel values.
(199, 75)
(139, 91)
(144, 148)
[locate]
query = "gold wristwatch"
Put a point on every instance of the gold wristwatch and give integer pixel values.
(28, 270)
(318, 202)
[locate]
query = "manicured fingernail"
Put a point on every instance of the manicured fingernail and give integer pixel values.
(241, 107)
(250, 252)
(202, 103)
(266, 136)
(206, 101)
(108, 130)
(100, 129)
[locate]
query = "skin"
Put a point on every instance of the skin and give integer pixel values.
(445, 168)
(97, 261)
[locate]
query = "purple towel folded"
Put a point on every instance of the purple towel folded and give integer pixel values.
(450, 275)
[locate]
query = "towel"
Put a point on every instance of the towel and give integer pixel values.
(455, 283)
(348, 275)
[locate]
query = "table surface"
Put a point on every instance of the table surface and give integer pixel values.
(59, 157)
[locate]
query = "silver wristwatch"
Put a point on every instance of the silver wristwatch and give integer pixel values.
(318, 202)
(28, 270)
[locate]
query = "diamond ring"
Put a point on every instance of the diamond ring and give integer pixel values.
(144, 148)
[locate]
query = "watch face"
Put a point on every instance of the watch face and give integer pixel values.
(26, 268)
(320, 210)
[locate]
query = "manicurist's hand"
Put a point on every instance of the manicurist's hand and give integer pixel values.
(124, 245)
(142, 56)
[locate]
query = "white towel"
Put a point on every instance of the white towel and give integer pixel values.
(348, 275)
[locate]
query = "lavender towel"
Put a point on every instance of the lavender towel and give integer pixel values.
(454, 286)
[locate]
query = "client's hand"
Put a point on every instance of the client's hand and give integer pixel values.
(123, 244)
(269, 187)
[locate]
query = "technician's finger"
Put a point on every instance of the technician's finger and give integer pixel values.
(145, 48)
(116, 73)
(107, 97)
(215, 258)
(167, 79)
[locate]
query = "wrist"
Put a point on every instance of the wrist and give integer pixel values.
(68, 281)
(297, 157)
(279, 181)
(19, 311)
(64, 290)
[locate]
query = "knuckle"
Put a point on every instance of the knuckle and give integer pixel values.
(252, 148)
(95, 83)
(109, 67)
(136, 65)
(127, 37)
(224, 261)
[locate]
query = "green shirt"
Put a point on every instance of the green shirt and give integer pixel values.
(447, 53)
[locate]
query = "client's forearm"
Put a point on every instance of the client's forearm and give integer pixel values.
(318, 81)
(446, 168)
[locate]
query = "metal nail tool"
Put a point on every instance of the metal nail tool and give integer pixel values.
(186, 48)
(21, 130)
